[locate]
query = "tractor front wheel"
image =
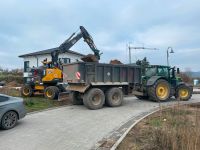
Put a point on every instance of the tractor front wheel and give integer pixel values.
(183, 92)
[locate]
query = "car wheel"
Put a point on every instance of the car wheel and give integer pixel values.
(9, 120)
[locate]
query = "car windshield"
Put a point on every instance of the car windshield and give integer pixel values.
(150, 72)
(3, 98)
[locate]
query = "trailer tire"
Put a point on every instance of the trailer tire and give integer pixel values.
(160, 91)
(27, 91)
(75, 98)
(94, 98)
(183, 92)
(114, 97)
(51, 92)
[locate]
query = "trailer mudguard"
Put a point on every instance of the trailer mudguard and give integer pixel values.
(153, 79)
(77, 87)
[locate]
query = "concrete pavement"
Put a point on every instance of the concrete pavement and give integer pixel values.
(72, 127)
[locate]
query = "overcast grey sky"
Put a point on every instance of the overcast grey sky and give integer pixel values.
(28, 26)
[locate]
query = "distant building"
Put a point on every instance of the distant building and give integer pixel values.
(35, 59)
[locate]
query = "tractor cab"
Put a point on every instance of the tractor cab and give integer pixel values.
(157, 70)
(164, 72)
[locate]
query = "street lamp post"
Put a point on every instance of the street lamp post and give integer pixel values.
(171, 51)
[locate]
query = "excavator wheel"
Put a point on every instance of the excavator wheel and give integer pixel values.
(51, 92)
(27, 91)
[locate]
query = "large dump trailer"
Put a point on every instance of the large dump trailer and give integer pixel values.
(96, 84)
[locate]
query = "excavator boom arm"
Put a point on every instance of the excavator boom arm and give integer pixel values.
(67, 44)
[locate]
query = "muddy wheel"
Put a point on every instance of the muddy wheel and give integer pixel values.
(160, 91)
(94, 98)
(9, 120)
(183, 92)
(27, 91)
(75, 98)
(114, 97)
(51, 92)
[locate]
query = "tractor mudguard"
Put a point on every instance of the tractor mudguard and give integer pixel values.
(153, 79)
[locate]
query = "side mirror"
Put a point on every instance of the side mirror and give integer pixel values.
(178, 71)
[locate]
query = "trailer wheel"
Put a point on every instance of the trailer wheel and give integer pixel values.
(51, 92)
(75, 98)
(114, 97)
(94, 98)
(160, 91)
(27, 91)
(183, 92)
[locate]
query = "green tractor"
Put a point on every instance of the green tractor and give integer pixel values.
(160, 83)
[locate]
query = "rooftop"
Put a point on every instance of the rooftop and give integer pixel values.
(48, 51)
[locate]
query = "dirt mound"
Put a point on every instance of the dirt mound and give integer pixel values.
(13, 84)
(89, 58)
(115, 61)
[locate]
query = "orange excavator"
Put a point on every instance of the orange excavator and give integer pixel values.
(48, 79)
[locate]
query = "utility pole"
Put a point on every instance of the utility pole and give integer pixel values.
(132, 47)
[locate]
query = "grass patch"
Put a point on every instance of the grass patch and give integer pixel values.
(40, 103)
(36, 103)
(170, 129)
(155, 122)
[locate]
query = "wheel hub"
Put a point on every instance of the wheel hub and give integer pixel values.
(115, 97)
(162, 91)
(10, 120)
(26, 91)
(96, 99)
(49, 93)
(183, 93)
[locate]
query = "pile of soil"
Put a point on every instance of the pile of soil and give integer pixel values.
(13, 84)
(89, 58)
(10, 91)
(115, 62)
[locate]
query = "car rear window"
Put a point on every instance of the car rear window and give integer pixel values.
(3, 98)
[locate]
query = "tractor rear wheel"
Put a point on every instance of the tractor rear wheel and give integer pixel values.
(160, 91)
(27, 91)
(114, 97)
(51, 92)
(94, 98)
(183, 92)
